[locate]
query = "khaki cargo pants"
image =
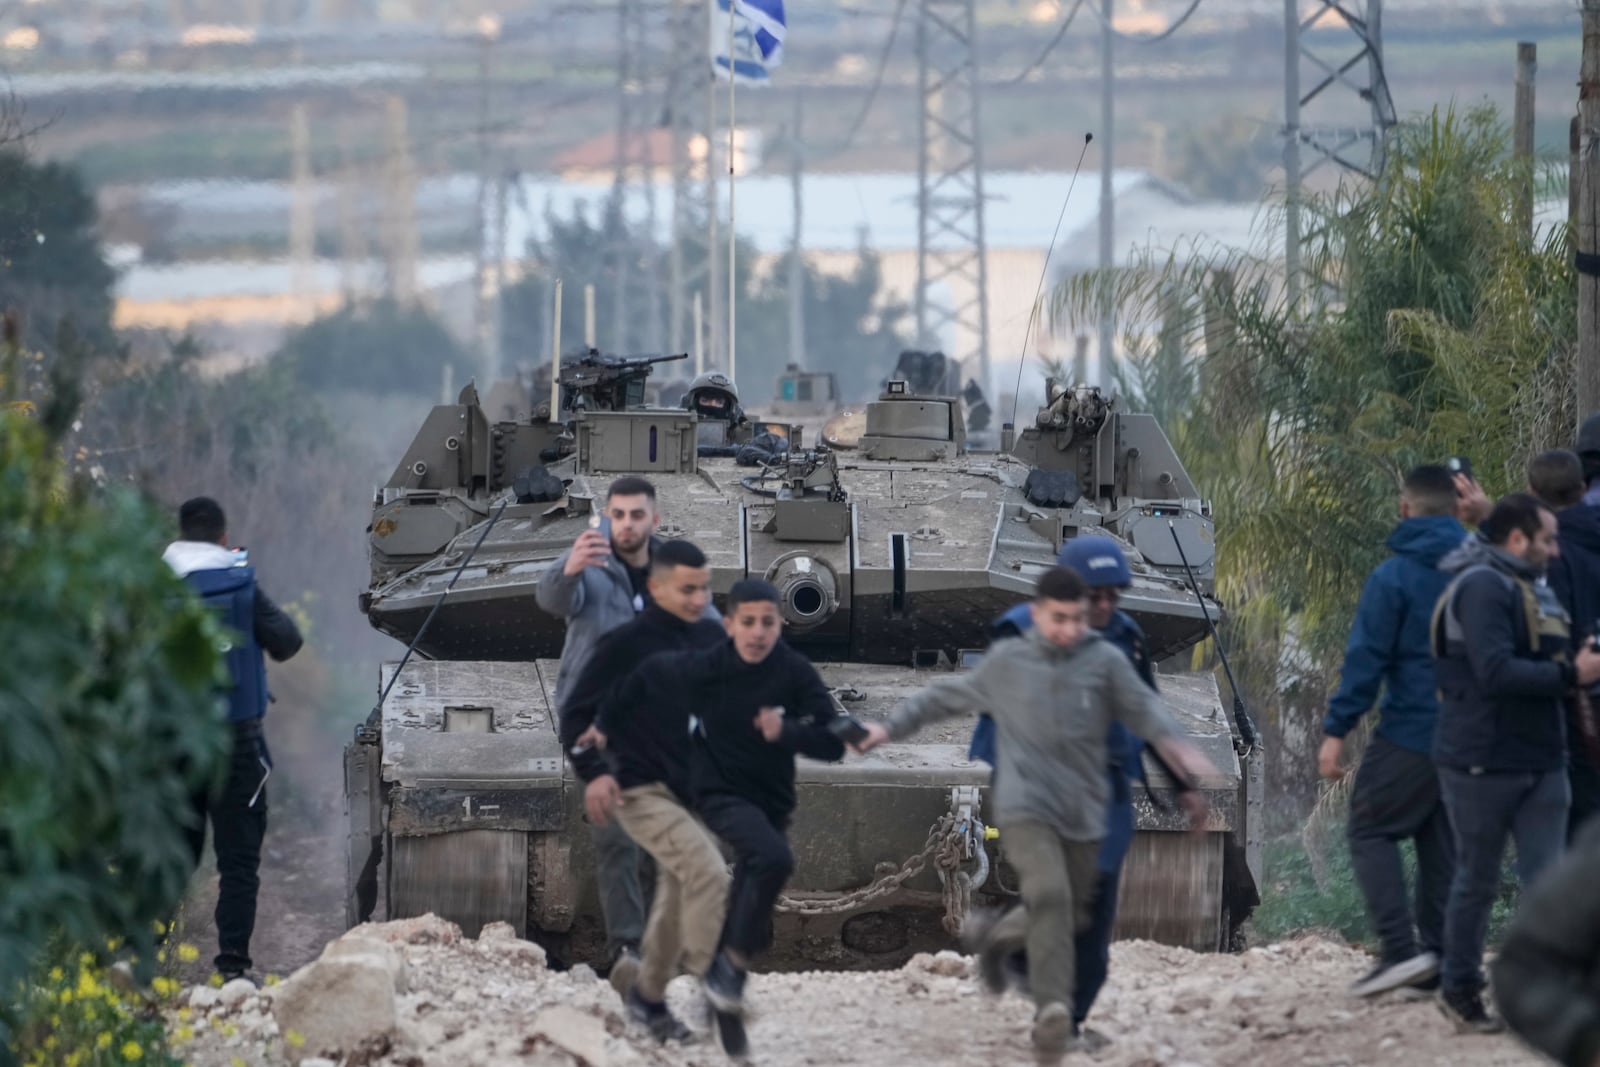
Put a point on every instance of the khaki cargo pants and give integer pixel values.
(691, 886)
(1058, 885)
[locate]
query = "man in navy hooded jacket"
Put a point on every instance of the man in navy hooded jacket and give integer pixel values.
(1396, 791)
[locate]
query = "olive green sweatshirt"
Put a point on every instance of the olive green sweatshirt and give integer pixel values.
(1052, 708)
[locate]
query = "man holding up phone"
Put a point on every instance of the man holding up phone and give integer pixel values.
(597, 585)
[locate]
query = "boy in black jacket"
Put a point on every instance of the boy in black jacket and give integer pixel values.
(641, 723)
(758, 703)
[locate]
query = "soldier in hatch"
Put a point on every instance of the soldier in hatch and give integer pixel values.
(715, 398)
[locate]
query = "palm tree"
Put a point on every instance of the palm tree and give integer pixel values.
(1432, 329)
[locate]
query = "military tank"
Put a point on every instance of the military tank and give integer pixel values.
(892, 556)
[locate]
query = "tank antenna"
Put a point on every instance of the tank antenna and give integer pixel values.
(1247, 729)
(1033, 316)
(375, 717)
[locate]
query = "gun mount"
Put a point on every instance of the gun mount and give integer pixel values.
(596, 382)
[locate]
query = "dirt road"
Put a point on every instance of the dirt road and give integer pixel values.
(493, 1002)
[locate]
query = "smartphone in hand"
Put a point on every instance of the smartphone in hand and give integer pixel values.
(602, 523)
(1460, 465)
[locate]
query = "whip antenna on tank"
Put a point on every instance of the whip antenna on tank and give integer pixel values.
(1241, 718)
(1033, 316)
(376, 715)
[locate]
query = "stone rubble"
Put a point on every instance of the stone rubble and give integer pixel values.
(414, 993)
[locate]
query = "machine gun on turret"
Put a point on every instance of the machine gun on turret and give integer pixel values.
(596, 382)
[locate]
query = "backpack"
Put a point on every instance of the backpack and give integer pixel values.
(231, 594)
(1537, 622)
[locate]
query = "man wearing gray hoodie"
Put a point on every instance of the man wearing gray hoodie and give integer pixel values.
(597, 585)
(1053, 694)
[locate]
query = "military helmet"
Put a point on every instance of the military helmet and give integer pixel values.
(715, 380)
(1589, 435)
(1097, 560)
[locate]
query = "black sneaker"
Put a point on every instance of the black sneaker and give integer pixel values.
(1423, 990)
(1392, 974)
(731, 1036)
(656, 1018)
(232, 975)
(724, 984)
(1466, 1011)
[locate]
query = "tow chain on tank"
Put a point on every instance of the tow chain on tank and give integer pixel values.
(882, 886)
(952, 841)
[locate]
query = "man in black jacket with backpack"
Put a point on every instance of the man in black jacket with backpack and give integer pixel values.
(1504, 664)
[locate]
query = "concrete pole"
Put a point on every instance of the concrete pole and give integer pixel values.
(588, 317)
(1522, 135)
(302, 215)
(713, 245)
(1108, 142)
(699, 337)
(797, 267)
(1588, 231)
(1291, 151)
(555, 356)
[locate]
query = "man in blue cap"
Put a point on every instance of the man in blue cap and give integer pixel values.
(1100, 562)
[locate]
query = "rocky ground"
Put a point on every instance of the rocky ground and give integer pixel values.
(414, 993)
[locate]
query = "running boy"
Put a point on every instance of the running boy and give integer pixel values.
(1054, 694)
(758, 704)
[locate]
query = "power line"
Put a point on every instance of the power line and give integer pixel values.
(1134, 38)
(1051, 47)
(877, 82)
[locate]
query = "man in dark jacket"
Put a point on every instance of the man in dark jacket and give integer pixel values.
(758, 704)
(238, 812)
(1396, 792)
(1547, 974)
(1504, 667)
(1575, 577)
(643, 728)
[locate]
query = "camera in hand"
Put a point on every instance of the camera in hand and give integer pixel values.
(848, 729)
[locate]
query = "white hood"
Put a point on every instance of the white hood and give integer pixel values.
(185, 557)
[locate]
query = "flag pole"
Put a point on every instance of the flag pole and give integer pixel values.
(732, 238)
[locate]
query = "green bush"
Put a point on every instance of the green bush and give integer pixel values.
(1293, 902)
(109, 676)
(385, 348)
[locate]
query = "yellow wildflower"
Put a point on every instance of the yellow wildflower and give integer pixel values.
(164, 987)
(188, 953)
(55, 1022)
(159, 927)
(103, 1041)
(73, 1059)
(57, 974)
(65, 997)
(183, 1034)
(184, 1013)
(215, 981)
(273, 980)
(295, 1038)
(85, 959)
(87, 986)
(131, 1051)
(237, 1061)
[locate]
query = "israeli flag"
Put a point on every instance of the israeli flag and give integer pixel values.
(758, 31)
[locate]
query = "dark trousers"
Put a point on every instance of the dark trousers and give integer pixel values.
(238, 815)
(1395, 798)
(1092, 955)
(622, 869)
(1486, 809)
(761, 868)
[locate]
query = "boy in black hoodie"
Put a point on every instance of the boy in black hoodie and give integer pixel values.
(758, 703)
(641, 724)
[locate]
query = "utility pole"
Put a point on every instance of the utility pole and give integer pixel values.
(714, 310)
(1588, 230)
(1522, 135)
(302, 215)
(490, 196)
(400, 215)
(797, 266)
(951, 243)
(1108, 141)
(622, 251)
(352, 235)
(1360, 149)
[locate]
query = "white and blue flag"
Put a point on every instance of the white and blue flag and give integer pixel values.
(758, 31)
